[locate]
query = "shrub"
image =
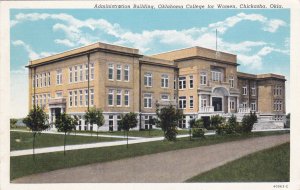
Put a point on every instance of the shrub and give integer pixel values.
(287, 122)
(199, 132)
(216, 121)
(248, 122)
(232, 125)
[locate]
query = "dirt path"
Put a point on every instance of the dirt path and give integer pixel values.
(172, 166)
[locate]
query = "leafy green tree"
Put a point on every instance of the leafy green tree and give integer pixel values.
(199, 130)
(128, 121)
(94, 116)
(13, 123)
(167, 119)
(248, 122)
(232, 125)
(216, 121)
(191, 124)
(65, 123)
(36, 121)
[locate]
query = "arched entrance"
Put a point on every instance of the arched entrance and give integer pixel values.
(219, 99)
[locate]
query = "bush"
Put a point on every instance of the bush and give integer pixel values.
(288, 120)
(199, 132)
(248, 122)
(232, 125)
(216, 121)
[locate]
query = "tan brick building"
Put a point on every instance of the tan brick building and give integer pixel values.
(119, 80)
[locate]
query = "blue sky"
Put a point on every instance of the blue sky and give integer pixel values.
(260, 38)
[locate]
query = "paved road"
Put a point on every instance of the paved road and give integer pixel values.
(172, 166)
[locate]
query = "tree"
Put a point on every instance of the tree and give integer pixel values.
(36, 121)
(65, 123)
(94, 116)
(232, 125)
(167, 119)
(199, 130)
(248, 122)
(191, 123)
(128, 121)
(13, 123)
(288, 120)
(216, 122)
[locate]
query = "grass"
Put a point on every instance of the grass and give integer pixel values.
(24, 165)
(23, 140)
(271, 165)
(144, 133)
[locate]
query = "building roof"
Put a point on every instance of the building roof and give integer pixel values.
(99, 46)
(198, 52)
(260, 76)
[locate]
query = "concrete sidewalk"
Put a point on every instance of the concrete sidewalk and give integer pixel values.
(82, 134)
(172, 166)
(86, 146)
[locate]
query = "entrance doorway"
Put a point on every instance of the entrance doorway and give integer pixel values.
(217, 103)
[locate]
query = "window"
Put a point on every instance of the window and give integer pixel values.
(147, 122)
(203, 78)
(182, 82)
(119, 71)
(49, 97)
(75, 98)
(191, 81)
(36, 100)
(277, 90)
(58, 94)
(80, 98)
(126, 98)
(244, 105)
(110, 72)
(126, 73)
(41, 79)
(148, 79)
(244, 90)
(59, 76)
(92, 71)
(119, 98)
(75, 74)
(164, 97)
(147, 100)
(182, 122)
(216, 76)
(203, 102)
(80, 73)
(111, 122)
(253, 89)
(253, 106)
(232, 104)
(37, 80)
(278, 105)
(231, 82)
(45, 79)
(92, 96)
(44, 98)
(41, 101)
(70, 75)
(86, 97)
(182, 102)
(164, 81)
(191, 102)
(110, 97)
(86, 72)
(49, 79)
(175, 86)
(118, 119)
(70, 99)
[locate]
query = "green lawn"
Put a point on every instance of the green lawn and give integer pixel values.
(23, 140)
(24, 165)
(271, 165)
(144, 133)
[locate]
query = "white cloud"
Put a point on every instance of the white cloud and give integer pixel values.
(32, 55)
(273, 25)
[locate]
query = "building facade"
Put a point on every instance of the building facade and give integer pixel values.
(119, 80)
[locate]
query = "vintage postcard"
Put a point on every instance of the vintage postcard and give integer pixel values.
(147, 94)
